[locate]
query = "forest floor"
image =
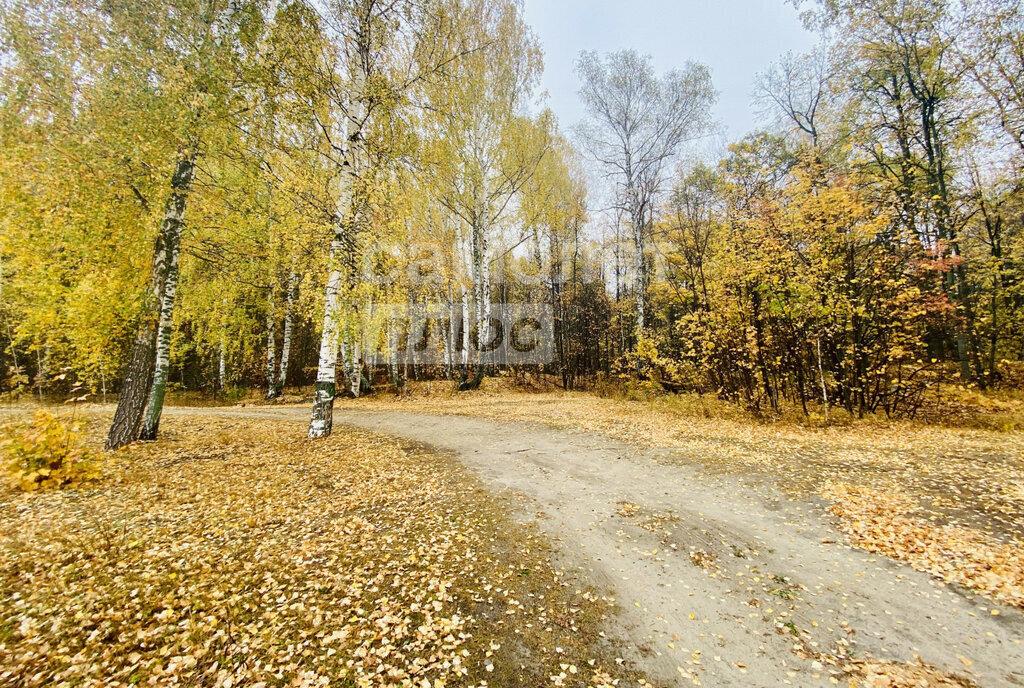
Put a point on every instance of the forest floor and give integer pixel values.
(736, 554)
(235, 552)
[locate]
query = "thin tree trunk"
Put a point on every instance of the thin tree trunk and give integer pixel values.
(221, 366)
(449, 340)
(821, 377)
(482, 291)
(393, 354)
(466, 325)
(355, 369)
(163, 354)
(14, 352)
(40, 373)
(641, 273)
(138, 378)
(286, 343)
(271, 354)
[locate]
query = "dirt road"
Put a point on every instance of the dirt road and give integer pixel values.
(715, 581)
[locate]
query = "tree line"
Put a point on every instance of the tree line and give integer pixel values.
(216, 193)
(868, 247)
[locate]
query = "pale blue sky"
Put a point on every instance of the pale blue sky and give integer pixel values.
(735, 38)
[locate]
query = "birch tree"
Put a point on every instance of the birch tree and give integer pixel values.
(215, 28)
(382, 49)
(483, 150)
(636, 123)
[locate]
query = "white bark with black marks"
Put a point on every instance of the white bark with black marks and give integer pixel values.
(323, 397)
(163, 353)
(271, 369)
(289, 316)
(138, 379)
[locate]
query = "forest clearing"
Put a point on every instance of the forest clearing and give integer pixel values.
(469, 343)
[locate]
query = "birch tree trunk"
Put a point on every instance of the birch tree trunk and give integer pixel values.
(163, 353)
(40, 373)
(222, 366)
(323, 397)
(482, 289)
(138, 378)
(271, 354)
(355, 368)
(449, 339)
(346, 363)
(466, 322)
(322, 419)
(641, 272)
(286, 343)
(393, 354)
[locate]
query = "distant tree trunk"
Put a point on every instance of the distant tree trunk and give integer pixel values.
(821, 377)
(271, 354)
(286, 343)
(352, 376)
(466, 325)
(138, 378)
(355, 369)
(14, 352)
(163, 354)
(221, 366)
(40, 373)
(396, 380)
(641, 272)
(482, 287)
(449, 340)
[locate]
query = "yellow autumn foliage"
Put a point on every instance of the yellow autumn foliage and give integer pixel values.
(46, 453)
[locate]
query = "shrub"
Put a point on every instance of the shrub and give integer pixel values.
(46, 453)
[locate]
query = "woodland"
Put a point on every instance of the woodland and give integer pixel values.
(210, 197)
(265, 272)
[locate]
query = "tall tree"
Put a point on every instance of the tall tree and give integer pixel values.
(208, 58)
(381, 51)
(636, 124)
(482, 149)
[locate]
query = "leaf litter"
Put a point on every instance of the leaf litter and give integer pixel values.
(233, 553)
(945, 500)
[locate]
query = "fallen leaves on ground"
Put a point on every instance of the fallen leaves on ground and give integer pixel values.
(957, 480)
(234, 553)
(896, 675)
(878, 522)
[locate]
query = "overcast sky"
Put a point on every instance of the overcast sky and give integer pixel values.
(735, 38)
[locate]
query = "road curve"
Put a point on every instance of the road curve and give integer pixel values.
(714, 580)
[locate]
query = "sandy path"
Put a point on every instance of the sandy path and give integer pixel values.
(722, 614)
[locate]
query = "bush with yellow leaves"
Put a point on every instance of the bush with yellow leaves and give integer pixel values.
(45, 453)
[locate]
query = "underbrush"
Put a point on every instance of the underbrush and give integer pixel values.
(950, 406)
(46, 453)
